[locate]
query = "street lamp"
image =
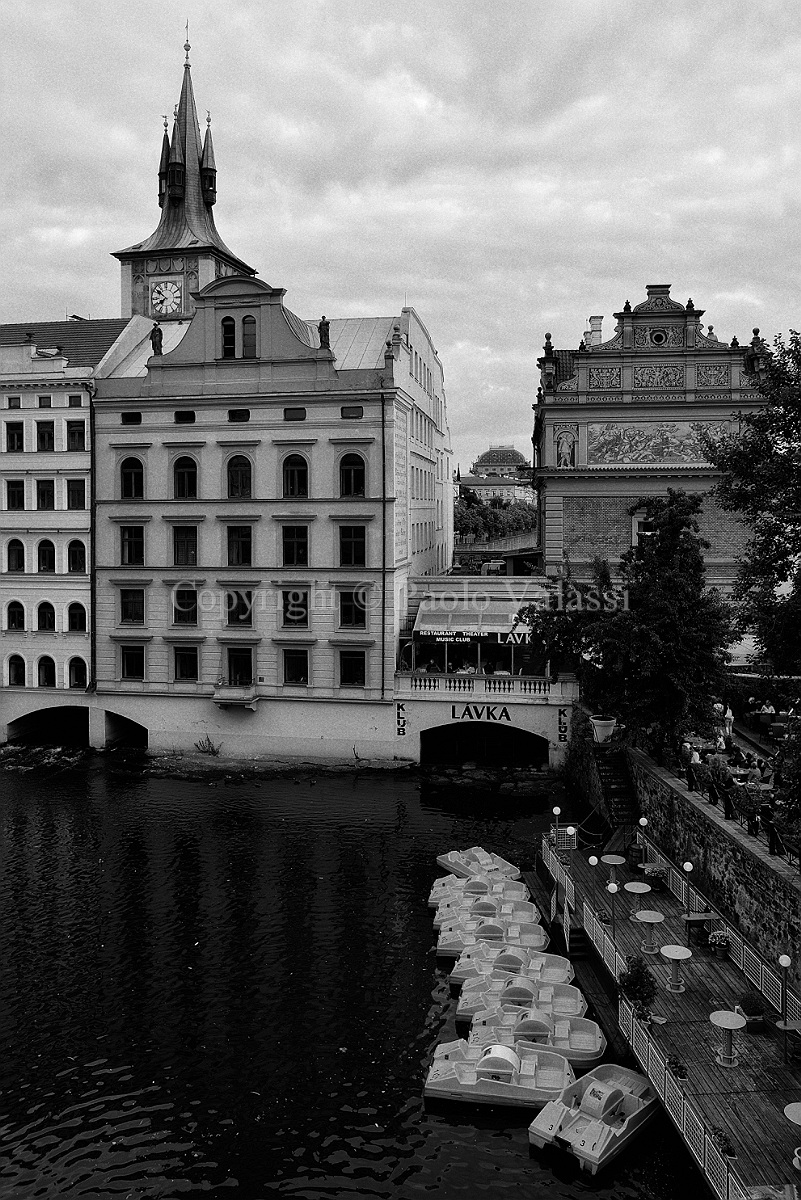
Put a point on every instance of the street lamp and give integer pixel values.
(687, 867)
(784, 963)
(556, 811)
(593, 861)
(612, 890)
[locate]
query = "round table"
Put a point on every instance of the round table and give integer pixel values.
(637, 890)
(675, 955)
(793, 1113)
(650, 918)
(613, 861)
(728, 1022)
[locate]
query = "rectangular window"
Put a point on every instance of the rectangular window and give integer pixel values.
(296, 545)
(294, 414)
(352, 610)
(131, 418)
(76, 435)
(295, 609)
(14, 402)
(351, 412)
(238, 415)
(45, 401)
(75, 401)
(240, 666)
(184, 416)
(240, 545)
(15, 494)
(352, 668)
(296, 666)
(132, 545)
(352, 545)
(14, 436)
(132, 606)
(239, 609)
(132, 660)
(45, 435)
(76, 493)
(186, 663)
(184, 606)
(45, 494)
(184, 545)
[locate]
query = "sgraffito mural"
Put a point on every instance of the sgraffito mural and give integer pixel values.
(646, 442)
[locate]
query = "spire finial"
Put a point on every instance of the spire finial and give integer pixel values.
(164, 119)
(175, 113)
(187, 47)
(208, 116)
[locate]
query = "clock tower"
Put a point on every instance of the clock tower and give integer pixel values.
(186, 252)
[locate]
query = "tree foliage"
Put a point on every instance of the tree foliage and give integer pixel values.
(487, 521)
(652, 653)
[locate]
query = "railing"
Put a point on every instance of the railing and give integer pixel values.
(516, 541)
(242, 694)
(481, 685)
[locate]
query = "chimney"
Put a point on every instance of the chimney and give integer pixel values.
(595, 328)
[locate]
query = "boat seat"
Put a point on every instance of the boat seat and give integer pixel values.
(583, 1040)
(550, 1077)
(545, 995)
(561, 1030)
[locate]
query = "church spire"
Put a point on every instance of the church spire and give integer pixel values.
(208, 167)
(164, 165)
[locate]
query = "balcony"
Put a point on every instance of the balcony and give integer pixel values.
(410, 686)
(235, 695)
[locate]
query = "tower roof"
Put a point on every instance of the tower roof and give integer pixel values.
(187, 222)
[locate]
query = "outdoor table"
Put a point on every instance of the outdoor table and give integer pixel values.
(793, 1113)
(675, 955)
(650, 918)
(696, 919)
(728, 1022)
(612, 861)
(637, 890)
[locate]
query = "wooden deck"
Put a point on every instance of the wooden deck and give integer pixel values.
(748, 1100)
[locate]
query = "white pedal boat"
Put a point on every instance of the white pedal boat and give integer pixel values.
(484, 961)
(454, 939)
(475, 861)
(489, 993)
(555, 999)
(500, 1076)
(580, 1040)
(448, 887)
(597, 1116)
(451, 911)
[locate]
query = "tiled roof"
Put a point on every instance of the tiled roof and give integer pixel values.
(564, 365)
(83, 343)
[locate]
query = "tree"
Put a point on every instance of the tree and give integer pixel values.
(761, 480)
(654, 653)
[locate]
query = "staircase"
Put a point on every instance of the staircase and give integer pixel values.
(619, 797)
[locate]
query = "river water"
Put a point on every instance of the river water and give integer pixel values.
(231, 991)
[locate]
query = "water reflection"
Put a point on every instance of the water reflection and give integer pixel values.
(232, 991)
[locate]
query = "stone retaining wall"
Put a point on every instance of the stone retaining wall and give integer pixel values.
(760, 894)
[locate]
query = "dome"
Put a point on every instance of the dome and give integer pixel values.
(499, 460)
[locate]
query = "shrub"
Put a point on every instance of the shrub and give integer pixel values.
(206, 746)
(638, 985)
(752, 1004)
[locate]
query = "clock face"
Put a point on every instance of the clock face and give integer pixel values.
(165, 297)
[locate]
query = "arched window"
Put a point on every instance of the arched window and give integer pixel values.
(239, 477)
(132, 479)
(249, 337)
(296, 476)
(76, 558)
(76, 618)
(351, 475)
(46, 672)
(185, 478)
(77, 673)
(228, 337)
(16, 671)
(16, 555)
(46, 617)
(16, 616)
(46, 554)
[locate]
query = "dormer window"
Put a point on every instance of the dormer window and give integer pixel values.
(228, 337)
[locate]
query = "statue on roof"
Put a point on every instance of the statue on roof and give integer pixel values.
(156, 339)
(323, 330)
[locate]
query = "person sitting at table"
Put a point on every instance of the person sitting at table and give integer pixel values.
(767, 707)
(737, 758)
(765, 769)
(754, 774)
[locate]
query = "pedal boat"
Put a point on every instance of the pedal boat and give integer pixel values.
(580, 1040)
(556, 999)
(485, 961)
(477, 860)
(500, 1076)
(596, 1117)
(489, 993)
(449, 887)
(451, 911)
(455, 938)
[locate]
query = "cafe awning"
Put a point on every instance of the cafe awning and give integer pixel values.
(470, 618)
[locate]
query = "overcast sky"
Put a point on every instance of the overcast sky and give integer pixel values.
(505, 168)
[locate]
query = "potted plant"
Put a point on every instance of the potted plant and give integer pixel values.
(603, 726)
(638, 986)
(676, 1066)
(656, 876)
(752, 1007)
(721, 1140)
(719, 941)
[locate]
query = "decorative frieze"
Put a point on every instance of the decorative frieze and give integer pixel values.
(647, 442)
(604, 377)
(659, 375)
(165, 266)
(662, 397)
(712, 375)
(569, 385)
(646, 337)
